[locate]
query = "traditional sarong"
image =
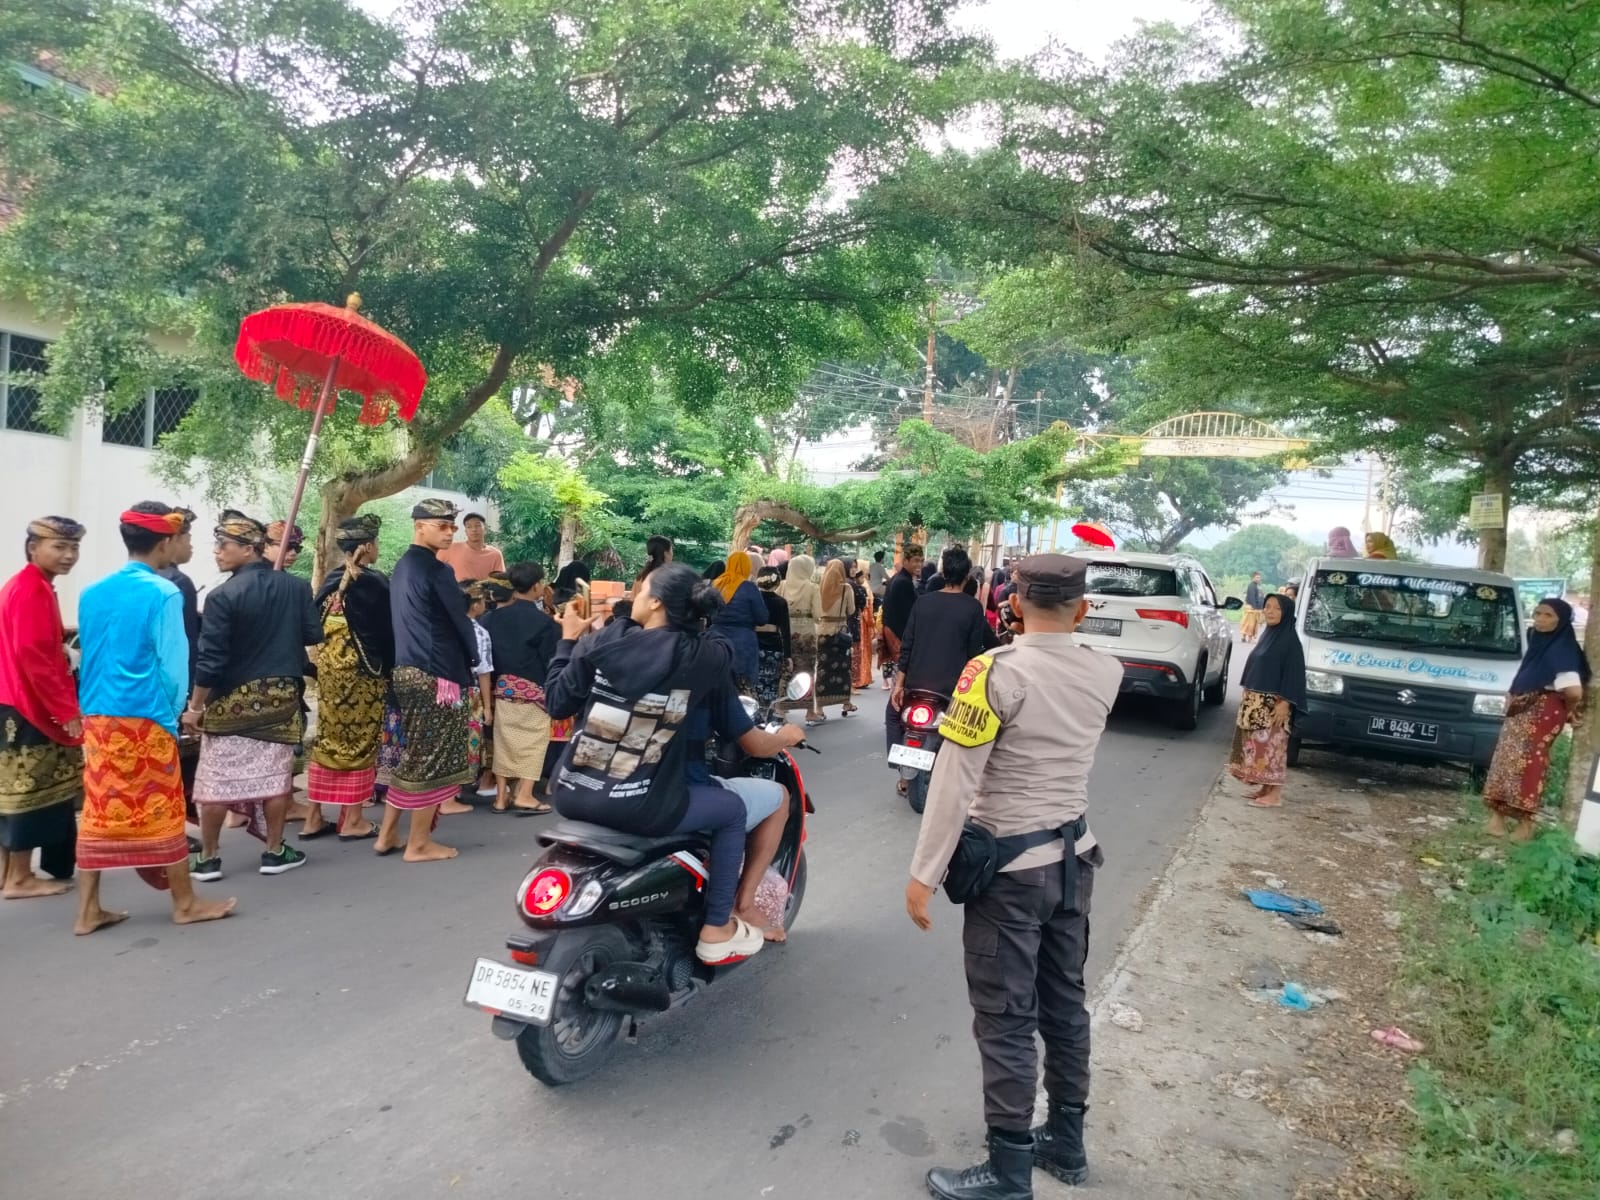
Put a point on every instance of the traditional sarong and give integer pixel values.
(132, 798)
(480, 743)
(1260, 753)
(861, 652)
(350, 712)
(1515, 786)
(39, 781)
(248, 746)
(522, 728)
(1249, 623)
(770, 683)
(833, 672)
(433, 762)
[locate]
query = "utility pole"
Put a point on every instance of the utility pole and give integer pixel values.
(927, 384)
(1038, 401)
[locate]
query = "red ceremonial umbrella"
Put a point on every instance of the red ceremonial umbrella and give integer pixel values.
(1095, 534)
(313, 350)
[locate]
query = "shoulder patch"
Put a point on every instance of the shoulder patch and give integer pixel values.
(970, 720)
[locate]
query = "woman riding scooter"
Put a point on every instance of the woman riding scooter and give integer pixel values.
(635, 682)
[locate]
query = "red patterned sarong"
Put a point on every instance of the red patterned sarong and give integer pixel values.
(132, 798)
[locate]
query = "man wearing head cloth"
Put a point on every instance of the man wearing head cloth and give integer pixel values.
(284, 541)
(1020, 737)
(135, 678)
(41, 729)
(435, 649)
(353, 669)
(245, 703)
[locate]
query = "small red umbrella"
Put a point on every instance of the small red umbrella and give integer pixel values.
(1095, 534)
(313, 350)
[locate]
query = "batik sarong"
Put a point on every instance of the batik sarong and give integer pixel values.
(522, 728)
(132, 798)
(1515, 786)
(350, 710)
(433, 761)
(1260, 752)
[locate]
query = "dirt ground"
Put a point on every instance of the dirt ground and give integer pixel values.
(1221, 1090)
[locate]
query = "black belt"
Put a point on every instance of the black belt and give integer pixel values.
(1012, 847)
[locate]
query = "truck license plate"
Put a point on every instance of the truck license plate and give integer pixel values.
(1403, 730)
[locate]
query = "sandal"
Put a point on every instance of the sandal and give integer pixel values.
(536, 810)
(819, 719)
(359, 837)
(312, 835)
(746, 941)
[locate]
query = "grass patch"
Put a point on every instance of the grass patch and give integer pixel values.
(1508, 971)
(1555, 780)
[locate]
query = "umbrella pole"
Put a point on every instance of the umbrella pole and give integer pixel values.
(306, 459)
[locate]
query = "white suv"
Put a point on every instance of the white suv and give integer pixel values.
(1160, 615)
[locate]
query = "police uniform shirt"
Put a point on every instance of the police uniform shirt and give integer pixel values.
(1020, 737)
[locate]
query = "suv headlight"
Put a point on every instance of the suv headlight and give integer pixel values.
(1324, 683)
(1489, 706)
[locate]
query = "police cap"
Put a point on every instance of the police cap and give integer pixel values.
(1050, 579)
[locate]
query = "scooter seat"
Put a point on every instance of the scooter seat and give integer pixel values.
(629, 849)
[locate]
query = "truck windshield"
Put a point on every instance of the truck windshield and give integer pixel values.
(1414, 612)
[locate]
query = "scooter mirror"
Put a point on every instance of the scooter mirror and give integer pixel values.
(799, 687)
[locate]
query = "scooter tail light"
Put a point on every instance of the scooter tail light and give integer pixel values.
(528, 958)
(919, 716)
(546, 891)
(1176, 615)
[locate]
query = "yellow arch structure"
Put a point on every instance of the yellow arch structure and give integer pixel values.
(1205, 435)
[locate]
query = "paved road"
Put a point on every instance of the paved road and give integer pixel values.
(315, 1045)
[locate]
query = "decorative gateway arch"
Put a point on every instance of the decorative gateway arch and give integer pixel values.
(1205, 435)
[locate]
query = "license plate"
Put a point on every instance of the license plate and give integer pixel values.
(1403, 730)
(512, 991)
(910, 756)
(1104, 626)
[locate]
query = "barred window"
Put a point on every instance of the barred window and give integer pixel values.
(146, 423)
(21, 361)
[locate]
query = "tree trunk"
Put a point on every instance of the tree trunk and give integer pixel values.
(1586, 737)
(569, 540)
(1492, 542)
(751, 515)
(343, 497)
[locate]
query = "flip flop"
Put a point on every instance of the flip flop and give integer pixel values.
(360, 837)
(540, 810)
(325, 831)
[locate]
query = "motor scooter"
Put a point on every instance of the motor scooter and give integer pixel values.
(610, 924)
(920, 714)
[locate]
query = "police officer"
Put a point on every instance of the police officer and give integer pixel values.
(1020, 738)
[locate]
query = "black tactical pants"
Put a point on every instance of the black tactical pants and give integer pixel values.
(1024, 951)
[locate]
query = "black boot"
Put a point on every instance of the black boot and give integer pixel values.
(1007, 1175)
(1058, 1143)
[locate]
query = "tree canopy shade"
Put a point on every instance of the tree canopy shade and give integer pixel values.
(509, 183)
(1379, 220)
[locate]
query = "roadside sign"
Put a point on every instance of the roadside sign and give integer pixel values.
(1488, 511)
(1531, 591)
(1589, 815)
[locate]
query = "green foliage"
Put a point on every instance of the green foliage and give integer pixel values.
(509, 183)
(1279, 555)
(536, 492)
(1512, 1025)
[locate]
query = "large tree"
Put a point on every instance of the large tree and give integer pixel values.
(510, 184)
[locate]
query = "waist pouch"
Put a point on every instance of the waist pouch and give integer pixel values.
(980, 855)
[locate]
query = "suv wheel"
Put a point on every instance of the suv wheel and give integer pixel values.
(1217, 693)
(1186, 712)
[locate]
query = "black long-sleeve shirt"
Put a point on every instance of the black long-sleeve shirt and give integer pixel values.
(778, 620)
(898, 598)
(524, 639)
(258, 624)
(367, 612)
(946, 630)
(191, 613)
(431, 629)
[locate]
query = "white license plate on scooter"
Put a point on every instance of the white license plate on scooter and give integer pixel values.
(910, 756)
(512, 991)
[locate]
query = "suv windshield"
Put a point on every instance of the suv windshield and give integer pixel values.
(1414, 612)
(1126, 579)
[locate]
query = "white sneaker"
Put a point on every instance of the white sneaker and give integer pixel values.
(746, 942)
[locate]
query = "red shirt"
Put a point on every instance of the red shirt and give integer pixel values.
(35, 676)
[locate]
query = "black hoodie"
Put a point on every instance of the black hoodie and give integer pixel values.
(624, 766)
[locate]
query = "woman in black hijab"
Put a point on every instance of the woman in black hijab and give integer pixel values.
(1274, 686)
(1546, 695)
